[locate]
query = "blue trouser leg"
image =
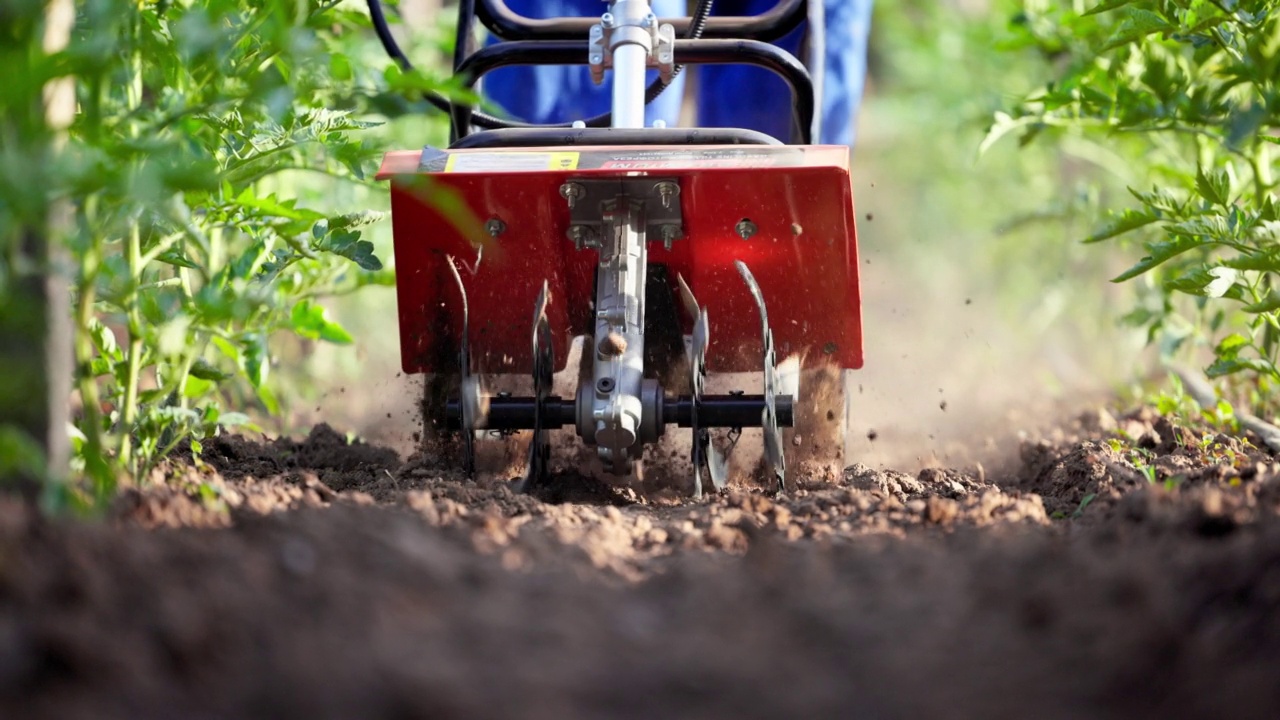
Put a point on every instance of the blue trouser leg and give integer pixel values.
(554, 94)
(728, 95)
(744, 96)
(848, 25)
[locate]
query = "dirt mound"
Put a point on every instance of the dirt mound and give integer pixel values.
(1125, 568)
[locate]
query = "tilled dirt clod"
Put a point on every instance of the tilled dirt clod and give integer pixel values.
(1128, 566)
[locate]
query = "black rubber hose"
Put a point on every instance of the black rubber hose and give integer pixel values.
(485, 120)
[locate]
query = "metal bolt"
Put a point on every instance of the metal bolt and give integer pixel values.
(659, 123)
(667, 190)
(745, 228)
(607, 20)
(596, 59)
(572, 192)
(579, 124)
(605, 385)
(577, 234)
(650, 20)
(495, 227)
(669, 234)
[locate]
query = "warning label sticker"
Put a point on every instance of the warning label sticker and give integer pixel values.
(657, 160)
(498, 162)
(625, 159)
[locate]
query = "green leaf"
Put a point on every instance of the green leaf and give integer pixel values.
(204, 370)
(255, 359)
(1243, 125)
(194, 387)
(347, 243)
(104, 340)
(268, 399)
(175, 258)
(1137, 25)
(1003, 125)
(311, 321)
(1268, 304)
(340, 67)
(1127, 221)
(1223, 367)
(20, 454)
(1209, 281)
(1216, 188)
(1160, 253)
(1230, 346)
(1106, 5)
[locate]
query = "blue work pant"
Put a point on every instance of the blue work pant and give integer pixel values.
(737, 96)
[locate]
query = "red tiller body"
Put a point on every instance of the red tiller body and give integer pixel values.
(803, 254)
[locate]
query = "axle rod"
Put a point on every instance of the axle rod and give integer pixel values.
(729, 411)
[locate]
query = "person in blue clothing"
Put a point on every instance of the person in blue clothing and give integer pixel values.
(727, 95)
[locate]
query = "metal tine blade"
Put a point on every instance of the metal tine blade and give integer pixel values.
(769, 419)
(543, 364)
(698, 348)
(756, 294)
(698, 450)
(469, 386)
(773, 449)
(697, 373)
(717, 465)
(687, 299)
(540, 309)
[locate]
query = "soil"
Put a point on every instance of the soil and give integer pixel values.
(1124, 566)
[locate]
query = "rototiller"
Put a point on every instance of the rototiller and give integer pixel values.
(518, 238)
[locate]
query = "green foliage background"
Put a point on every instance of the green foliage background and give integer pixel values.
(1183, 96)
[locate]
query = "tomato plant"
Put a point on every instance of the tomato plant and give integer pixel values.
(1184, 96)
(189, 252)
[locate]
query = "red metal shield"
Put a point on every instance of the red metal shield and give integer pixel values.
(803, 254)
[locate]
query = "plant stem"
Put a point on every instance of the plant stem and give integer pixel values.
(129, 411)
(95, 442)
(1262, 179)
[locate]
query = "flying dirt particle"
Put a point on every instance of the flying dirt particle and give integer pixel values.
(859, 388)
(417, 437)
(342, 390)
(796, 229)
(968, 301)
(870, 217)
(388, 416)
(797, 441)
(872, 435)
(943, 405)
(831, 415)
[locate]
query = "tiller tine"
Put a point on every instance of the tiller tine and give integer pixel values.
(543, 370)
(777, 463)
(472, 404)
(704, 451)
